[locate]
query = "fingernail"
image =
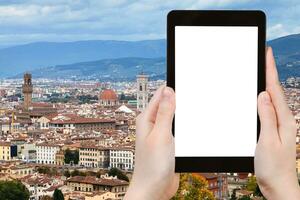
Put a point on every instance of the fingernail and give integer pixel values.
(266, 98)
(167, 93)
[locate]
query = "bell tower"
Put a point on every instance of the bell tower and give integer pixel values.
(27, 90)
(142, 91)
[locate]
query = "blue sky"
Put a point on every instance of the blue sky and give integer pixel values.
(25, 21)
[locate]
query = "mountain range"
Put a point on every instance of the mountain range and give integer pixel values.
(106, 69)
(116, 59)
(17, 59)
(287, 54)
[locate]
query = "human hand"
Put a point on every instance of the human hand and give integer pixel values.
(275, 156)
(154, 176)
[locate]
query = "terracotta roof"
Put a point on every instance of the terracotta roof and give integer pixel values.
(34, 180)
(52, 188)
(108, 94)
(48, 144)
(41, 104)
(5, 144)
(82, 120)
(97, 181)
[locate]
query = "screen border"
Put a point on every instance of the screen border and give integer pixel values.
(216, 18)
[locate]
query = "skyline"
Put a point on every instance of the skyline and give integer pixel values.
(63, 20)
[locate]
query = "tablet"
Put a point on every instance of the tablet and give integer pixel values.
(216, 65)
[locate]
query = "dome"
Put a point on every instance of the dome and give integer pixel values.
(108, 94)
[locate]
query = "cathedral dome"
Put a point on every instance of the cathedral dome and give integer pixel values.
(108, 94)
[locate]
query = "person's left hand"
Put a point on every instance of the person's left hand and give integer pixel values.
(154, 174)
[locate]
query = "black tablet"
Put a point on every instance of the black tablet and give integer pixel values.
(216, 65)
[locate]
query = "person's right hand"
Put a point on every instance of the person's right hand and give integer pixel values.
(275, 156)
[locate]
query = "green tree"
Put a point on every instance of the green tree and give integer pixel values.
(44, 170)
(233, 195)
(258, 193)
(77, 173)
(47, 198)
(67, 173)
(118, 173)
(193, 187)
(71, 156)
(245, 198)
(58, 195)
(47, 170)
(12, 190)
(251, 184)
(122, 97)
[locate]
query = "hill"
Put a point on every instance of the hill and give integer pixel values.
(17, 59)
(105, 69)
(287, 54)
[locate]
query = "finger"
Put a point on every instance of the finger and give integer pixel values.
(165, 112)
(145, 121)
(267, 116)
(151, 110)
(283, 113)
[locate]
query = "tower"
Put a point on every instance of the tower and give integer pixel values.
(142, 91)
(27, 90)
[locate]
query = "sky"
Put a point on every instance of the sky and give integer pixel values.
(26, 21)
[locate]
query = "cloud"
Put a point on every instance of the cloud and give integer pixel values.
(276, 31)
(24, 21)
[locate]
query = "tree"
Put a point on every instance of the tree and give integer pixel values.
(47, 198)
(251, 184)
(67, 173)
(77, 173)
(47, 170)
(12, 190)
(71, 156)
(58, 195)
(258, 193)
(118, 173)
(193, 187)
(122, 97)
(233, 195)
(245, 198)
(44, 170)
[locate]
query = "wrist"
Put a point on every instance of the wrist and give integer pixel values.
(284, 191)
(141, 191)
(134, 193)
(137, 191)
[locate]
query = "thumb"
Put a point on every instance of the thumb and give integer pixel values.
(165, 112)
(267, 116)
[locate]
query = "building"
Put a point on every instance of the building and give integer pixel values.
(5, 127)
(102, 195)
(217, 184)
(93, 156)
(60, 158)
(122, 158)
(46, 153)
(242, 193)
(39, 185)
(94, 184)
(7, 151)
(27, 89)
(27, 152)
(71, 121)
(108, 98)
(21, 170)
(142, 91)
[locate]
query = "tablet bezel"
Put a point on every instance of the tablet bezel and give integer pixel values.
(216, 18)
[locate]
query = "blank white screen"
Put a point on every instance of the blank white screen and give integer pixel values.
(216, 91)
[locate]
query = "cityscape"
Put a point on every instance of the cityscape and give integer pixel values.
(74, 75)
(78, 137)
